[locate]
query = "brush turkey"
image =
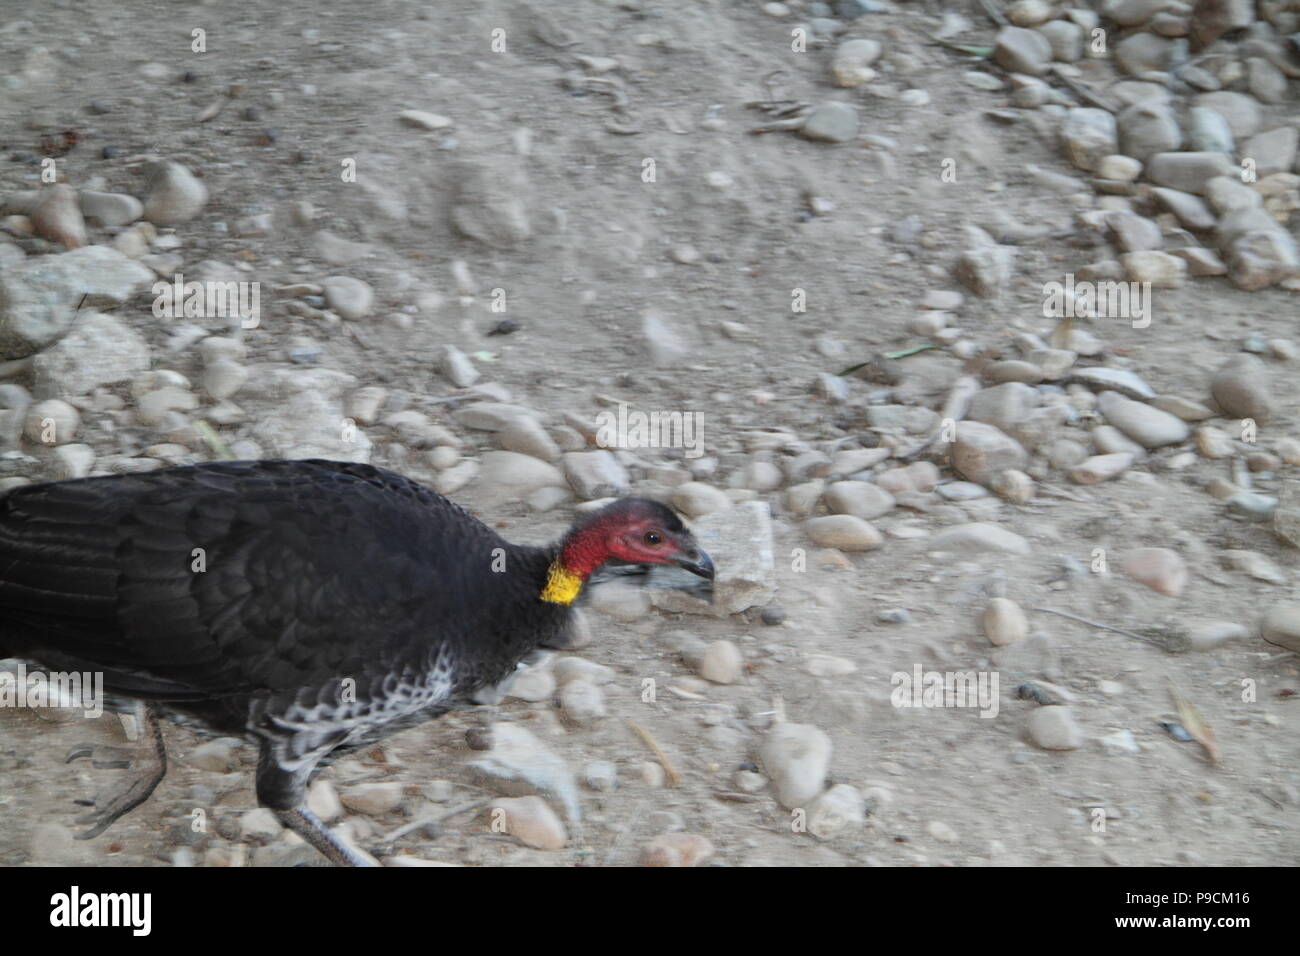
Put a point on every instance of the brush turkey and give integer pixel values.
(310, 605)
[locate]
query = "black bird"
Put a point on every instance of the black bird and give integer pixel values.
(311, 605)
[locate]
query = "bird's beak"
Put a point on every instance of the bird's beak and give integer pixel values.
(694, 560)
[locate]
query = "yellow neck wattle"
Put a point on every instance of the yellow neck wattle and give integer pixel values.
(562, 585)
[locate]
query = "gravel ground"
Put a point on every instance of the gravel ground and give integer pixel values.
(476, 227)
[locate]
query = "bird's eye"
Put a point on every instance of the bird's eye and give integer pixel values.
(653, 537)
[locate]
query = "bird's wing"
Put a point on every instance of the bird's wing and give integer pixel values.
(234, 577)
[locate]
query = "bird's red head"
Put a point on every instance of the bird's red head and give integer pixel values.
(636, 530)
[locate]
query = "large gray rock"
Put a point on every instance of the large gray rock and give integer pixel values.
(980, 452)
(979, 537)
(1273, 151)
(1241, 388)
(859, 498)
(97, 350)
(110, 209)
(491, 202)
(57, 217)
(1262, 257)
(986, 269)
(663, 341)
(1066, 39)
(1189, 172)
(1022, 51)
(39, 297)
(1088, 136)
(175, 194)
(1191, 211)
(1281, 626)
(1148, 128)
(492, 416)
(519, 764)
(350, 298)
(510, 476)
(1145, 424)
(1003, 406)
(843, 532)
(1054, 728)
(1138, 53)
(306, 419)
(851, 64)
(739, 541)
(839, 808)
(1213, 18)
(796, 757)
(831, 122)
(1286, 519)
(1209, 132)
(595, 474)
(1239, 222)
(1241, 112)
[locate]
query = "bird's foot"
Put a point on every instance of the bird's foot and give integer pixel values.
(103, 756)
(149, 766)
(309, 826)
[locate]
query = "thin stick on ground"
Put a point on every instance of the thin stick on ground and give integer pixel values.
(213, 440)
(674, 778)
(1086, 93)
(433, 818)
(1062, 493)
(993, 13)
(1097, 624)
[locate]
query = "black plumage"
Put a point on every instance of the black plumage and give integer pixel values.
(309, 604)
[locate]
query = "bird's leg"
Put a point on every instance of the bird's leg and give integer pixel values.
(309, 826)
(283, 772)
(149, 760)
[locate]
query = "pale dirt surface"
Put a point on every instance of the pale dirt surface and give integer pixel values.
(1007, 801)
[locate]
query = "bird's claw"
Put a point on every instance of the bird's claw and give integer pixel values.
(148, 761)
(102, 756)
(112, 803)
